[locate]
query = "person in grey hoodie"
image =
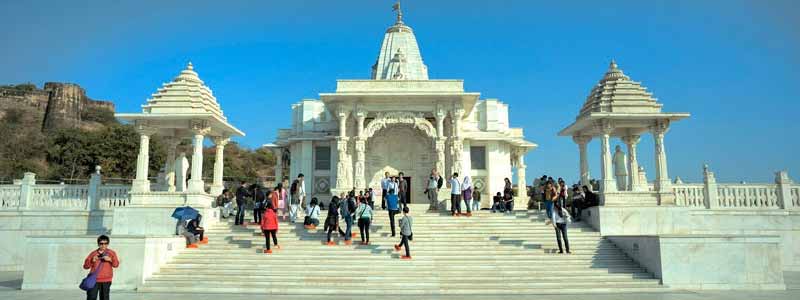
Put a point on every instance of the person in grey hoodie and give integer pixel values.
(405, 233)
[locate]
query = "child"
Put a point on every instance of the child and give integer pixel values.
(405, 234)
(269, 226)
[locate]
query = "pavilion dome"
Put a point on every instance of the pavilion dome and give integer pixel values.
(617, 93)
(399, 57)
(186, 94)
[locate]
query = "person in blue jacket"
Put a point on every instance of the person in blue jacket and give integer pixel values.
(393, 207)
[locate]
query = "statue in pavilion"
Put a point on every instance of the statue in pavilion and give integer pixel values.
(620, 169)
(181, 168)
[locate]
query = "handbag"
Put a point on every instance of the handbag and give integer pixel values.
(90, 281)
(467, 194)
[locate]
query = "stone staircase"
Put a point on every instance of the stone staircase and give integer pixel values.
(483, 254)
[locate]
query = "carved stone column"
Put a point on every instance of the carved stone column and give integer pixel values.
(608, 182)
(456, 142)
(358, 176)
(582, 141)
(633, 162)
(440, 115)
(440, 156)
(142, 183)
(662, 185)
(200, 130)
(343, 178)
(219, 164)
(278, 152)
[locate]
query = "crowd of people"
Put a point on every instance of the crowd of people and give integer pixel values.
(562, 204)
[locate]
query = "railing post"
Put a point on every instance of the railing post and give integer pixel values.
(710, 189)
(93, 203)
(26, 190)
(785, 191)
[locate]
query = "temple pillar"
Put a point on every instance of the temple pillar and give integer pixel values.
(343, 179)
(196, 184)
(608, 183)
(521, 181)
(359, 177)
(457, 143)
(278, 152)
(141, 183)
(582, 141)
(662, 184)
(219, 164)
(633, 162)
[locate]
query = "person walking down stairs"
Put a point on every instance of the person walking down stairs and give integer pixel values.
(269, 226)
(347, 208)
(405, 234)
(332, 220)
(364, 215)
(560, 218)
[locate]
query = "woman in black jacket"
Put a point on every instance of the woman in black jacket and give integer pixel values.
(332, 220)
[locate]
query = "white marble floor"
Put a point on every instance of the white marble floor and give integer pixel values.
(11, 281)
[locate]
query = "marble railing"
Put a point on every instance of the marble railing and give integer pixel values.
(116, 195)
(783, 194)
(9, 196)
(93, 196)
(747, 196)
(58, 196)
(692, 195)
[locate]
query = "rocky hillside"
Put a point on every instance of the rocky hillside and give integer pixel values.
(57, 105)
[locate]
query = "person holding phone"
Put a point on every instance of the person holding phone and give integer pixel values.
(103, 261)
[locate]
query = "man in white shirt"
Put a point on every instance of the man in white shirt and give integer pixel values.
(455, 195)
(385, 187)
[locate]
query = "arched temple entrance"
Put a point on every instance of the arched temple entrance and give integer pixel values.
(400, 148)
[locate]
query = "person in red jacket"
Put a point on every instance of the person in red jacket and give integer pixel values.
(269, 226)
(102, 260)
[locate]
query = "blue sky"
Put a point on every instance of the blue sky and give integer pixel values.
(733, 64)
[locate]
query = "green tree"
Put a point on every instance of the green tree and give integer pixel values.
(22, 145)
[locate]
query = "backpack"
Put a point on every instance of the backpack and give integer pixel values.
(293, 189)
(439, 183)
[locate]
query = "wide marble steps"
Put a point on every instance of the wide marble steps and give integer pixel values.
(483, 254)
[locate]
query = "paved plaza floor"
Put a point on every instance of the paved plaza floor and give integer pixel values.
(10, 283)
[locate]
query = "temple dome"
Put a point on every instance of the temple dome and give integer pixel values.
(617, 93)
(399, 57)
(186, 94)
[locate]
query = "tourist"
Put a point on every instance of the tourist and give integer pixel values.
(332, 220)
(195, 229)
(550, 195)
(402, 189)
(508, 195)
(364, 216)
(542, 187)
(591, 198)
(405, 234)
(346, 210)
(385, 188)
(297, 193)
(241, 194)
(259, 198)
(563, 192)
(560, 218)
(227, 204)
(476, 200)
(455, 196)
(497, 203)
(394, 208)
(281, 192)
(576, 207)
(371, 198)
(312, 215)
(191, 238)
(466, 192)
(103, 261)
(432, 192)
(269, 226)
